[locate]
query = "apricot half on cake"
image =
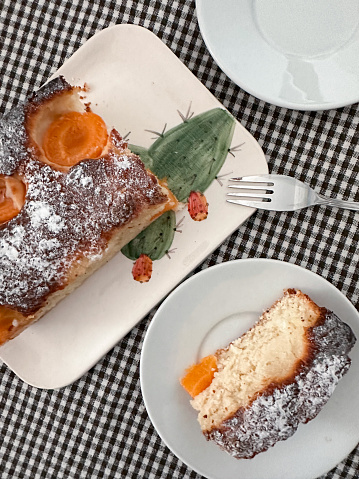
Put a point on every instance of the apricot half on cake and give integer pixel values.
(12, 197)
(199, 376)
(73, 137)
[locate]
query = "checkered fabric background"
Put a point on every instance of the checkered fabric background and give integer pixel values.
(98, 426)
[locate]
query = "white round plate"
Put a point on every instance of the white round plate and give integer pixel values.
(206, 312)
(297, 54)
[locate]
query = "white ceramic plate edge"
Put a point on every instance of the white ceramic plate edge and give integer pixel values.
(168, 441)
(248, 88)
(12, 349)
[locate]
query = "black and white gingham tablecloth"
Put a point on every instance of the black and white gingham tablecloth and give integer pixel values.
(98, 427)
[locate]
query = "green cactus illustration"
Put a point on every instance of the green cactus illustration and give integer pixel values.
(191, 154)
(189, 157)
(155, 240)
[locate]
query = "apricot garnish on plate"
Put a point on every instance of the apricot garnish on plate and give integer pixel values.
(74, 137)
(199, 376)
(12, 197)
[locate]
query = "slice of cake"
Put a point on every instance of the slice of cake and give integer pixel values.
(279, 374)
(71, 195)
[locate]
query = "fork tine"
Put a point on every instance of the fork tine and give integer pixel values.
(258, 196)
(251, 204)
(253, 186)
(262, 179)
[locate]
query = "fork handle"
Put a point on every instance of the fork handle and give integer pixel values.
(347, 205)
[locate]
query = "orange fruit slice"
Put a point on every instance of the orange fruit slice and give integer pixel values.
(74, 137)
(199, 376)
(12, 197)
(8, 319)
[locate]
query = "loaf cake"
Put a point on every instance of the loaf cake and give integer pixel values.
(71, 196)
(277, 375)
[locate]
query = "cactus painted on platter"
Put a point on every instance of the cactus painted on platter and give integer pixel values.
(197, 206)
(189, 157)
(155, 240)
(142, 269)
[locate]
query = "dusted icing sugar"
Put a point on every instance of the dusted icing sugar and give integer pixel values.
(276, 414)
(66, 216)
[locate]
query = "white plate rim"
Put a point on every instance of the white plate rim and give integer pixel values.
(185, 284)
(276, 101)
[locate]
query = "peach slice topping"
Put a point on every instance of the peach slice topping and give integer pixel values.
(9, 320)
(199, 376)
(12, 197)
(74, 137)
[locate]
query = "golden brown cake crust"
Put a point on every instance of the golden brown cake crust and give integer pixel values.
(68, 218)
(275, 412)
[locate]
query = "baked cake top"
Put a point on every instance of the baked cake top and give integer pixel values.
(67, 214)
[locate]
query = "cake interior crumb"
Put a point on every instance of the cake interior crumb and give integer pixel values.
(268, 353)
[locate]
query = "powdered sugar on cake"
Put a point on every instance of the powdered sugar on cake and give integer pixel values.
(66, 216)
(276, 414)
(12, 141)
(14, 147)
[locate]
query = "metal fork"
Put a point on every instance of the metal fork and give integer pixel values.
(280, 193)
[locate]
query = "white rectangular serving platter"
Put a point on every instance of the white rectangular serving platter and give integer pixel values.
(136, 84)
